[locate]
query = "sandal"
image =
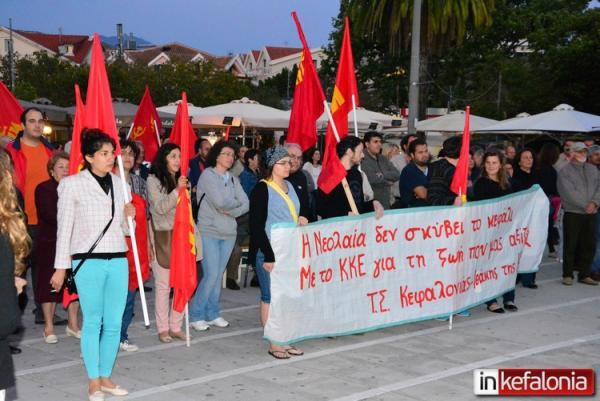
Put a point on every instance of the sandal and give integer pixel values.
(279, 354)
(293, 351)
(497, 309)
(165, 337)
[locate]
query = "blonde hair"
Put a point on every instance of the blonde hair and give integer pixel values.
(388, 148)
(12, 221)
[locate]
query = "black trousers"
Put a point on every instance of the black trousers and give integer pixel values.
(579, 243)
(30, 264)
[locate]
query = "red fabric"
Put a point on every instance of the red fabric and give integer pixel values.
(141, 239)
(75, 157)
(144, 128)
(308, 99)
(99, 110)
(333, 171)
(10, 116)
(182, 277)
(182, 125)
(461, 174)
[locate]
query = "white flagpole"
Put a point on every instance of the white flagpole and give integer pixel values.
(136, 257)
(187, 325)
(354, 115)
(157, 133)
(130, 129)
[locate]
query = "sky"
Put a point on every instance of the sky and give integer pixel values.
(216, 26)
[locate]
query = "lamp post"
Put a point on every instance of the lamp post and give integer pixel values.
(415, 53)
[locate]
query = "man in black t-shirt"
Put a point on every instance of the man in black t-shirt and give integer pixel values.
(334, 204)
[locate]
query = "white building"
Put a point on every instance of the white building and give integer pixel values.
(272, 60)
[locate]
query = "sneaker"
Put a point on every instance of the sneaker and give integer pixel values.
(219, 322)
(464, 313)
(588, 281)
(200, 325)
(567, 281)
(127, 346)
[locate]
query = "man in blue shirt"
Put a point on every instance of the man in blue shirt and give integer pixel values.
(413, 179)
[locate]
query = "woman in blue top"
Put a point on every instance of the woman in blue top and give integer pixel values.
(272, 201)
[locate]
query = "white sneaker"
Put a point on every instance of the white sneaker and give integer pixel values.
(219, 322)
(200, 325)
(128, 347)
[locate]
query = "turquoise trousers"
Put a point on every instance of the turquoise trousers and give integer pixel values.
(102, 287)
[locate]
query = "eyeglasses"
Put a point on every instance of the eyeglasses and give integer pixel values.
(283, 163)
(295, 157)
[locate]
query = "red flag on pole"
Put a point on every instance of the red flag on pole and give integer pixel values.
(76, 158)
(461, 174)
(10, 115)
(99, 110)
(341, 104)
(308, 99)
(145, 124)
(176, 136)
(182, 277)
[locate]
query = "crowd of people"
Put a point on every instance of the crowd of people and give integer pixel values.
(59, 225)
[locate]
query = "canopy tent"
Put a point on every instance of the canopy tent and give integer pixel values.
(171, 108)
(243, 112)
(367, 120)
(562, 118)
(125, 113)
(453, 122)
(54, 114)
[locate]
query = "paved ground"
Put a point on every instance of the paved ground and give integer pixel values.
(556, 326)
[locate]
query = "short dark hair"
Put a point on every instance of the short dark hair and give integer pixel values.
(405, 139)
(250, 153)
(520, 155)
(23, 117)
(215, 151)
(350, 142)
(370, 135)
(412, 147)
(92, 141)
(126, 143)
(198, 144)
(451, 147)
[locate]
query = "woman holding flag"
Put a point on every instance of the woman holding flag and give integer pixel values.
(164, 182)
(92, 217)
(273, 200)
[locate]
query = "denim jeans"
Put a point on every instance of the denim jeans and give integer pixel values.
(264, 278)
(506, 298)
(596, 262)
(205, 303)
(128, 314)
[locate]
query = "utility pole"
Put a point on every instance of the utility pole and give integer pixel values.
(11, 56)
(415, 54)
(499, 98)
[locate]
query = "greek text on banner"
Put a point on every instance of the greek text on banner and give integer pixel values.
(354, 274)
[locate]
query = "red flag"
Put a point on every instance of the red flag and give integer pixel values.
(177, 136)
(10, 115)
(461, 174)
(308, 99)
(341, 104)
(182, 277)
(76, 158)
(145, 125)
(99, 110)
(141, 238)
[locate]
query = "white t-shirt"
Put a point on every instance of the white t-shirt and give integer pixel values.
(313, 171)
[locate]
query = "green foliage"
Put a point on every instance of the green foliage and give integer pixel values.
(42, 75)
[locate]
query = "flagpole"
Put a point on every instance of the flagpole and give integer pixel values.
(354, 115)
(157, 134)
(130, 129)
(344, 181)
(187, 325)
(136, 256)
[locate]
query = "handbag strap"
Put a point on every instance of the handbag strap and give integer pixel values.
(286, 198)
(95, 244)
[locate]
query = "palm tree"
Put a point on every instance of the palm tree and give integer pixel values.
(443, 22)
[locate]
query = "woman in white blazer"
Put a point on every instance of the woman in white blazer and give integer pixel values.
(87, 202)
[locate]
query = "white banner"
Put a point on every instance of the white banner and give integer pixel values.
(354, 274)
